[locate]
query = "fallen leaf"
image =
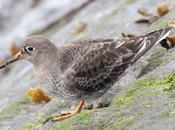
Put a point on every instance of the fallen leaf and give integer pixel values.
(14, 49)
(171, 23)
(37, 95)
(80, 26)
(162, 8)
(143, 11)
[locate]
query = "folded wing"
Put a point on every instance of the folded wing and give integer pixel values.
(105, 62)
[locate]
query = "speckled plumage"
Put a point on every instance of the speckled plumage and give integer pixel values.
(86, 69)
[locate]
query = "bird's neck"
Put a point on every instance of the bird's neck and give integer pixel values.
(48, 61)
(60, 59)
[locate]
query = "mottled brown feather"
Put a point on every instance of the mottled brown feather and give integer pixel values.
(106, 60)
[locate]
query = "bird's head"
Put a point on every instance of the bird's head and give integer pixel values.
(35, 49)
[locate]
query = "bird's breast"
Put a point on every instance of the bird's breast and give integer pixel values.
(54, 83)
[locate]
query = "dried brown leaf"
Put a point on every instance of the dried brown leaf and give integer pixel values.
(163, 8)
(14, 49)
(143, 11)
(37, 95)
(171, 38)
(80, 26)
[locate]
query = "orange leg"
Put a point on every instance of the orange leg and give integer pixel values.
(65, 115)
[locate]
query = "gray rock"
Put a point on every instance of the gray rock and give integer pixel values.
(142, 99)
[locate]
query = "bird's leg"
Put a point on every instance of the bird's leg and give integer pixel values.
(66, 115)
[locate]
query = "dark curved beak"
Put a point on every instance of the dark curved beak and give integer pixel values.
(16, 57)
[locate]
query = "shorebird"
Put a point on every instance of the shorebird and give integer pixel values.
(84, 70)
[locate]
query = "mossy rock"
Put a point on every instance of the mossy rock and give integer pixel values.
(128, 95)
(13, 108)
(83, 118)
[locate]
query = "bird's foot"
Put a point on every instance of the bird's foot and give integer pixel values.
(64, 113)
(63, 116)
(96, 105)
(68, 114)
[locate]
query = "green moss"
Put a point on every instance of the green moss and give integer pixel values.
(115, 124)
(157, 54)
(168, 114)
(170, 82)
(128, 96)
(32, 126)
(172, 113)
(163, 22)
(82, 118)
(143, 84)
(157, 25)
(38, 123)
(169, 88)
(121, 123)
(64, 125)
(165, 115)
(156, 58)
(102, 125)
(13, 108)
(124, 100)
(152, 93)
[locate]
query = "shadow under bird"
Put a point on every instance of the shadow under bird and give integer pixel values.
(84, 70)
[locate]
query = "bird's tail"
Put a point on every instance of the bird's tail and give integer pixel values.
(143, 43)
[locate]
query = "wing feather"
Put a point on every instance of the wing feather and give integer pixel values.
(100, 66)
(104, 63)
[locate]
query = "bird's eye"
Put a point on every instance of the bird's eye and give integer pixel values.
(28, 49)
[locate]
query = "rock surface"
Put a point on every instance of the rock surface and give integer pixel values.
(142, 99)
